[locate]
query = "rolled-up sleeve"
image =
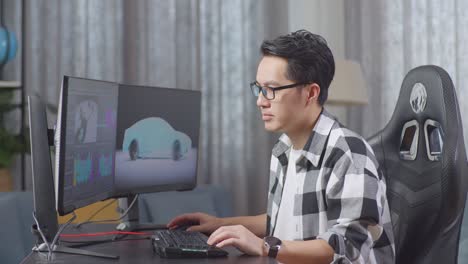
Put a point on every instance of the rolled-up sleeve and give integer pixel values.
(354, 210)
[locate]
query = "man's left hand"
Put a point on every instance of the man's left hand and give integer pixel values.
(239, 237)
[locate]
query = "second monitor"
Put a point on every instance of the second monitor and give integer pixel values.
(157, 139)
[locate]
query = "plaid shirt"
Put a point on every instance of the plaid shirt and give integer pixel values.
(342, 199)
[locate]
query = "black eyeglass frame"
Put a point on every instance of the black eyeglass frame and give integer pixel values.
(256, 89)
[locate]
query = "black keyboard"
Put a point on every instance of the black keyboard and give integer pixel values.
(184, 244)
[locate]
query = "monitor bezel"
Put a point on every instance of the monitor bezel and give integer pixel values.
(41, 168)
(66, 208)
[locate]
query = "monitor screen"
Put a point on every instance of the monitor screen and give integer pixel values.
(115, 140)
(157, 139)
(85, 145)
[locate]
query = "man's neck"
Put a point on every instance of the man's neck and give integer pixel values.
(301, 134)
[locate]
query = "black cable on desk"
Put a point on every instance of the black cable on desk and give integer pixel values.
(78, 244)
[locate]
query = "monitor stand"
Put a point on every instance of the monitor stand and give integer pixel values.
(56, 248)
(76, 251)
(41, 139)
(132, 222)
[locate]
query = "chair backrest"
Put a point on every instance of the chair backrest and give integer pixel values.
(422, 155)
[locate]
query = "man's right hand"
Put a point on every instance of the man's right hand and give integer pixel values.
(200, 222)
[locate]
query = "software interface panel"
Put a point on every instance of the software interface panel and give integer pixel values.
(157, 137)
(90, 145)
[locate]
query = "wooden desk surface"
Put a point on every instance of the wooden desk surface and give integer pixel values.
(133, 251)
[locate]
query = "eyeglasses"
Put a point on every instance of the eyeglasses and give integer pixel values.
(269, 92)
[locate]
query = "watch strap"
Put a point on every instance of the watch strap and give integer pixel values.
(273, 245)
(273, 251)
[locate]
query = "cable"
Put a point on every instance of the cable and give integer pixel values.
(81, 243)
(95, 213)
(113, 220)
(105, 234)
(63, 228)
(50, 246)
(41, 233)
(102, 240)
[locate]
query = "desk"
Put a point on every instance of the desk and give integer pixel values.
(135, 252)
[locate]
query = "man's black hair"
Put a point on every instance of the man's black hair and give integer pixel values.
(310, 60)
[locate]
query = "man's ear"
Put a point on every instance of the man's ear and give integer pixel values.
(313, 92)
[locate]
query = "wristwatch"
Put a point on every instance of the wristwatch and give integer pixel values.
(273, 245)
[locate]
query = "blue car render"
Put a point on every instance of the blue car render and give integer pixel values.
(154, 137)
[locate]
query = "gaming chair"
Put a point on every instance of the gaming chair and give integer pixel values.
(421, 153)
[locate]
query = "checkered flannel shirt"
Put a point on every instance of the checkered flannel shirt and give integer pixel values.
(343, 198)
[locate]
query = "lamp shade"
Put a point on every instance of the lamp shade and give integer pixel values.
(348, 86)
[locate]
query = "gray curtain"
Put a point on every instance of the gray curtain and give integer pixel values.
(389, 38)
(206, 45)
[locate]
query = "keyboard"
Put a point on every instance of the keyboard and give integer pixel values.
(184, 244)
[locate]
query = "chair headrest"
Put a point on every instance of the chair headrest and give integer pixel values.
(427, 92)
(422, 154)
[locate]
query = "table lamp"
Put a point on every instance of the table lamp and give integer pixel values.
(348, 86)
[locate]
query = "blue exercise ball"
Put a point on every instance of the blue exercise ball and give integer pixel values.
(7, 37)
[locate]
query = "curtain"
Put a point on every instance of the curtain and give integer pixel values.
(206, 45)
(389, 38)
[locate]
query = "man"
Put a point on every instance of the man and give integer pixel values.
(326, 201)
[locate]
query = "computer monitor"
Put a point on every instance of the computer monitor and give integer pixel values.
(120, 140)
(157, 139)
(85, 142)
(42, 176)
(46, 228)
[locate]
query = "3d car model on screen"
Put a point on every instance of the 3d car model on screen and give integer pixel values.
(153, 137)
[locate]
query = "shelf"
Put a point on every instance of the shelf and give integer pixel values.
(10, 84)
(9, 108)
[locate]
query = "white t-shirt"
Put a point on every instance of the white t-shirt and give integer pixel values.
(288, 227)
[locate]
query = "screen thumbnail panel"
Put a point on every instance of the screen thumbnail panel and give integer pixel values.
(88, 120)
(157, 139)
